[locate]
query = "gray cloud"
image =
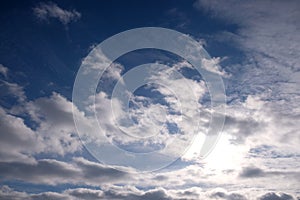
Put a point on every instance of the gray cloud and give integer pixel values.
(45, 11)
(274, 196)
(52, 172)
(245, 127)
(250, 172)
(256, 172)
(231, 196)
(132, 193)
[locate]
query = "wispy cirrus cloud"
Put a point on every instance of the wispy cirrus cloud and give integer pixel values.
(3, 70)
(45, 11)
(267, 32)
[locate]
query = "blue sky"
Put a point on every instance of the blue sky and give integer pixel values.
(254, 49)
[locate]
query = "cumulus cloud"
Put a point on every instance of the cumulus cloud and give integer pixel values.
(45, 11)
(44, 125)
(151, 115)
(18, 142)
(54, 118)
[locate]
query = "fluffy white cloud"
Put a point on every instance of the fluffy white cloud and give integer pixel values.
(150, 116)
(45, 11)
(18, 142)
(54, 118)
(44, 125)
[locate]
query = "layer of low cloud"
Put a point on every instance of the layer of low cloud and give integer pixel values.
(133, 193)
(54, 172)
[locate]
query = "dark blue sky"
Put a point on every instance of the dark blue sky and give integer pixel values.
(49, 52)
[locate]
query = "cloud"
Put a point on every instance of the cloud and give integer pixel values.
(54, 123)
(267, 34)
(3, 70)
(250, 172)
(264, 100)
(133, 193)
(213, 65)
(242, 127)
(17, 141)
(45, 11)
(274, 196)
(54, 172)
(44, 125)
(13, 90)
(10, 194)
(152, 115)
(228, 196)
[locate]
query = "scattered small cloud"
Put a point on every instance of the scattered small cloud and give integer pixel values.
(3, 70)
(45, 11)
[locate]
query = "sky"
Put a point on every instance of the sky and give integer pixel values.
(150, 100)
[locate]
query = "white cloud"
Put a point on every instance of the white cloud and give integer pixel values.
(54, 116)
(3, 70)
(267, 34)
(49, 126)
(18, 142)
(12, 90)
(45, 11)
(213, 65)
(262, 120)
